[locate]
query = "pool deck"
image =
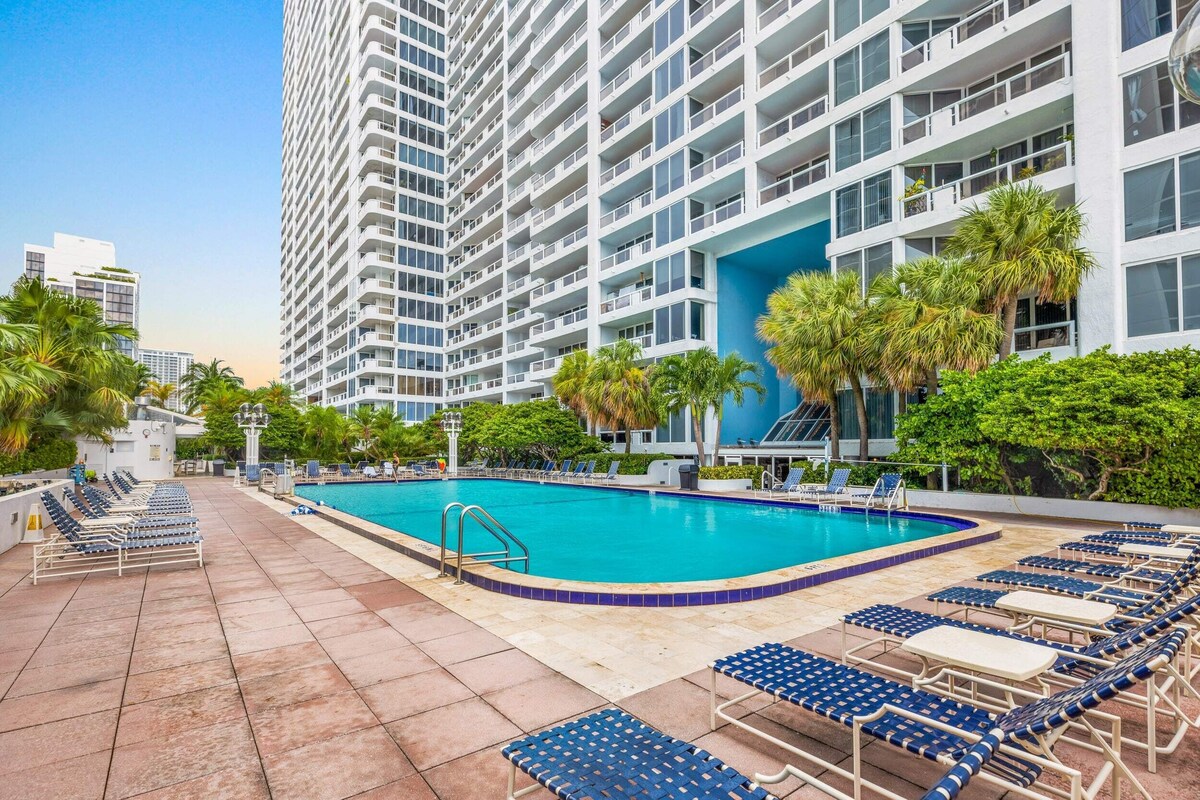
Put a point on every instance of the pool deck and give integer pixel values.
(304, 661)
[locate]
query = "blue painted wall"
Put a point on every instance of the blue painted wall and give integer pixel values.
(744, 280)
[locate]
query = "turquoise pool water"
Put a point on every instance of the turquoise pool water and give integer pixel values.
(590, 534)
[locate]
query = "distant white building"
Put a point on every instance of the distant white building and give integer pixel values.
(168, 366)
(88, 268)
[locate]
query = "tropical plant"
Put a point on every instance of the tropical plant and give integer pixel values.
(363, 429)
(61, 372)
(618, 390)
(200, 377)
(699, 381)
(140, 379)
(733, 377)
(539, 428)
(813, 325)
(325, 432)
(221, 433)
(927, 315)
(571, 384)
(275, 393)
(159, 393)
(1019, 241)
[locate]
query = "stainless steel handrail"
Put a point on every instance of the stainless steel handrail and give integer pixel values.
(487, 521)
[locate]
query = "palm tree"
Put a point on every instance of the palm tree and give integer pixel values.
(363, 427)
(814, 327)
(325, 430)
(275, 393)
(570, 384)
(159, 393)
(928, 315)
(1018, 241)
(618, 390)
(200, 377)
(733, 377)
(61, 372)
(684, 383)
(140, 379)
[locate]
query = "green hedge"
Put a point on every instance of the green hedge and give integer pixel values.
(631, 463)
(51, 454)
(732, 472)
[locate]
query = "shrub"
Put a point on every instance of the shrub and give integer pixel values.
(48, 454)
(731, 472)
(631, 463)
(860, 474)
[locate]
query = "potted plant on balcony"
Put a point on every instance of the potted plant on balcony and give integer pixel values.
(914, 204)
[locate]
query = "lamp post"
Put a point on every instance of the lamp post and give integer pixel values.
(252, 420)
(452, 425)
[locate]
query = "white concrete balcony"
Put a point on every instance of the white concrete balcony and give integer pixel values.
(477, 333)
(376, 338)
(627, 121)
(547, 143)
(543, 181)
(626, 209)
(776, 11)
(474, 304)
(375, 287)
(560, 288)
(483, 359)
(576, 80)
(625, 256)
(939, 48)
(794, 124)
(627, 30)
(625, 76)
(626, 166)
(576, 199)
(626, 304)
(476, 279)
(716, 216)
(796, 62)
(559, 248)
(716, 55)
(794, 183)
(546, 33)
(715, 109)
(374, 365)
(560, 326)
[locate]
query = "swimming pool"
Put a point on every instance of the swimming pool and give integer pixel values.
(621, 536)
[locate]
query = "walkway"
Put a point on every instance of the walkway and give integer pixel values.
(291, 668)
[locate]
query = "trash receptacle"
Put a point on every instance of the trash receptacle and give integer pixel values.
(218, 468)
(689, 477)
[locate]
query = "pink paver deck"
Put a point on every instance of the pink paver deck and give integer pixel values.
(288, 668)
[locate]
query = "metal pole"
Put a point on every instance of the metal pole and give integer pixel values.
(945, 477)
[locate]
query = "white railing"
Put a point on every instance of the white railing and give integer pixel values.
(548, 250)
(714, 108)
(560, 168)
(627, 208)
(518, 378)
(703, 11)
(541, 144)
(1024, 168)
(628, 254)
(990, 98)
(562, 283)
(794, 182)
(621, 167)
(626, 120)
(714, 163)
(476, 277)
(982, 20)
(626, 74)
(546, 365)
(793, 121)
(559, 322)
(1042, 337)
(716, 54)
(716, 216)
(643, 341)
(621, 35)
(634, 298)
(793, 59)
(563, 90)
(562, 205)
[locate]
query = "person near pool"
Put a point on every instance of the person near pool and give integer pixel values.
(395, 467)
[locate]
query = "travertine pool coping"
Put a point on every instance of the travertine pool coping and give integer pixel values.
(690, 593)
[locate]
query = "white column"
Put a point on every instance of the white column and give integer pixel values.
(452, 461)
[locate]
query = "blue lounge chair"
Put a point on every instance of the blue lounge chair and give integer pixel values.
(588, 469)
(313, 469)
(76, 552)
(832, 490)
(155, 504)
(609, 754)
(253, 473)
(97, 514)
(580, 469)
(563, 473)
(145, 528)
(1099, 570)
(419, 470)
(344, 471)
(611, 475)
(886, 493)
(789, 486)
(934, 726)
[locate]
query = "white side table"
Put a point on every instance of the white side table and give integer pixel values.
(983, 653)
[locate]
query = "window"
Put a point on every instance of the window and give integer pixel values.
(668, 224)
(864, 135)
(668, 274)
(849, 14)
(668, 125)
(35, 265)
(848, 202)
(668, 27)
(1145, 20)
(1153, 107)
(862, 68)
(1161, 294)
(881, 413)
(1043, 325)
(668, 76)
(868, 264)
(864, 205)
(675, 428)
(668, 175)
(925, 246)
(1155, 203)
(679, 321)
(915, 33)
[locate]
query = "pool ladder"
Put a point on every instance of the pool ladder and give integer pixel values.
(492, 526)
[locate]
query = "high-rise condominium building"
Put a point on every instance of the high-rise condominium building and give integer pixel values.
(652, 169)
(88, 268)
(168, 366)
(363, 191)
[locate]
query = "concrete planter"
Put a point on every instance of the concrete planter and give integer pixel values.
(1051, 507)
(740, 485)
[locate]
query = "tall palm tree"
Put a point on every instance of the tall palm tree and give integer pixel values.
(363, 428)
(140, 379)
(61, 371)
(276, 393)
(1019, 240)
(813, 325)
(684, 383)
(929, 315)
(200, 377)
(618, 390)
(570, 384)
(733, 377)
(159, 393)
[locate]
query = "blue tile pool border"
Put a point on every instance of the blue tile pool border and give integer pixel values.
(583, 596)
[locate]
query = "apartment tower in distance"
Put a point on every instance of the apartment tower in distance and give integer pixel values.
(168, 366)
(362, 273)
(653, 169)
(88, 268)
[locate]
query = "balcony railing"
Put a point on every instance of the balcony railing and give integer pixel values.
(716, 216)
(550, 249)
(714, 163)
(621, 167)
(628, 254)
(1043, 337)
(716, 54)
(714, 108)
(558, 169)
(992, 97)
(562, 283)
(624, 75)
(795, 182)
(634, 298)
(982, 20)
(949, 194)
(793, 121)
(625, 209)
(775, 11)
(559, 322)
(627, 120)
(607, 46)
(546, 215)
(793, 59)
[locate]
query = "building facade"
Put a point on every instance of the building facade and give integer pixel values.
(362, 274)
(88, 268)
(168, 366)
(653, 169)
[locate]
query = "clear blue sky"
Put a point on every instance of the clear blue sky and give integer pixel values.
(155, 126)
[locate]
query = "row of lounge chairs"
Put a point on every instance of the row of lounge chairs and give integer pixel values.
(364, 470)
(888, 493)
(980, 729)
(568, 470)
(134, 524)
